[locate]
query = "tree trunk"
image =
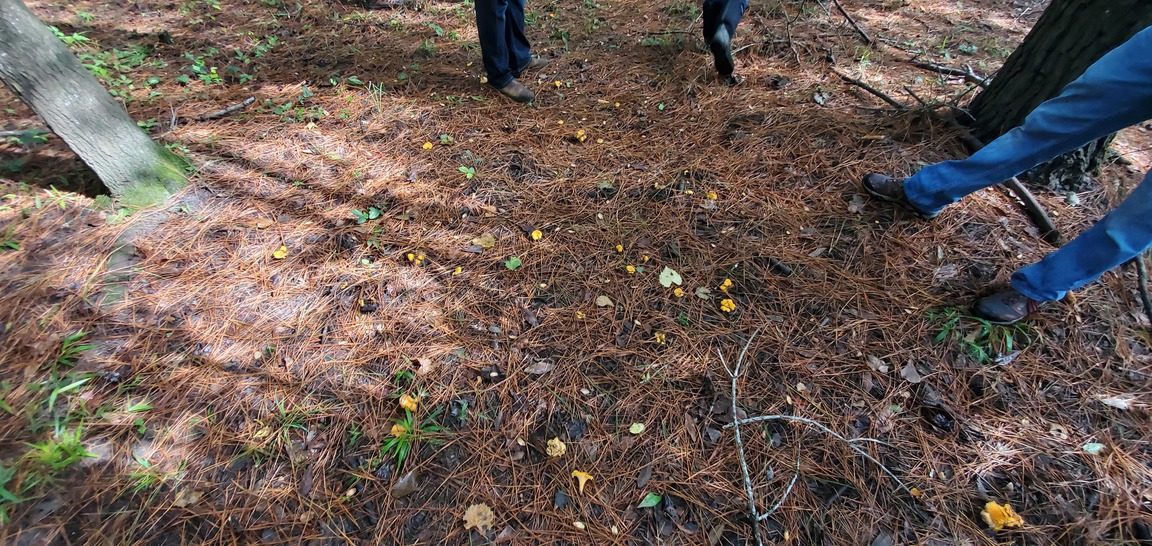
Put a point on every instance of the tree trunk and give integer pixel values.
(1068, 38)
(40, 70)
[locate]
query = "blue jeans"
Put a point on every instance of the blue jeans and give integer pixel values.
(1115, 92)
(503, 46)
(722, 12)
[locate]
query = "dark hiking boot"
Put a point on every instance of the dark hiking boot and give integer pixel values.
(517, 92)
(721, 46)
(1005, 307)
(891, 190)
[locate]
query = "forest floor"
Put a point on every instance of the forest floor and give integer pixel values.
(379, 230)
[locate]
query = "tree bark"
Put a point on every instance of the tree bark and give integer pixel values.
(40, 70)
(1068, 38)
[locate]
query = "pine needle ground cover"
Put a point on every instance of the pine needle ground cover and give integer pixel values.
(394, 308)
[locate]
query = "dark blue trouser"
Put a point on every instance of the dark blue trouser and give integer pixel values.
(722, 12)
(1113, 93)
(505, 49)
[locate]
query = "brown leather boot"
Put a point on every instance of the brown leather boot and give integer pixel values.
(886, 188)
(1005, 307)
(517, 92)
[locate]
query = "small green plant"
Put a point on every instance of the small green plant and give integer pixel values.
(985, 344)
(469, 172)
(407, 432)
(70, 348)
(513, 263)
(57, 453)
(70, 39)
(8, 241)
(362, 216)
(7, 497)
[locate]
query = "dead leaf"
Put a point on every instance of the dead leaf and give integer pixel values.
(703, 293)
(264, 222)
(186, 497)
(877, 365)
(540, 368)
(910, 374)
(406, 485)
(480, 517)
(426, 366)
(603, 301)
(485, 241)
(1121, 402)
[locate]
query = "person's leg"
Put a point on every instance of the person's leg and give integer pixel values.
(490, 25)
(519, 50)
(720, 20)
(1121, 235)
(1113, 93)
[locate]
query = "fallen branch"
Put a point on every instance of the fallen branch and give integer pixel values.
(735, 375)
(895, 104)
(850, 443)
(867, 39)
(968, 75)
(1032, 207)
(226, 111)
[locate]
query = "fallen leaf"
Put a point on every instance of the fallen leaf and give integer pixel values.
(1121, 402)
(669, 277)
(406, 485)
(603, 301)
(649, 500)
(877, 365)
(280, 253)
(636, 428)
(556, 448)
(540, 368)
(186, 497)
(426, 366)
(264, 222)
(1093, 448)
(480, 517)
(999, 516)
(581, 479)
(703, 293)
(910, 374)
(486, 241)
(579, 525)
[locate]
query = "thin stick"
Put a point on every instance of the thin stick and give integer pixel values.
(1142, 277)
(226, 111)
(867, 39)
(968, 75)
(735, 375)
(895, 104)
(779, 503)
(826, 430)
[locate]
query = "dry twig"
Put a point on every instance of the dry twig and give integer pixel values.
(1142, 284)
(884, 97)
(867, 39)
(734, 373)
(968, 75)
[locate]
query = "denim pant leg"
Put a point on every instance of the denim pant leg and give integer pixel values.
(1115, 92)
(1120, 236)
(490, 26)
(722, 12)
(519, 51)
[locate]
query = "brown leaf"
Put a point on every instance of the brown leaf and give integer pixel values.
(425, 366)
(540, 368)
(480, 517)
(910, 374)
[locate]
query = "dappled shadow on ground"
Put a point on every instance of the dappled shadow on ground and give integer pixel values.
(244, 387)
